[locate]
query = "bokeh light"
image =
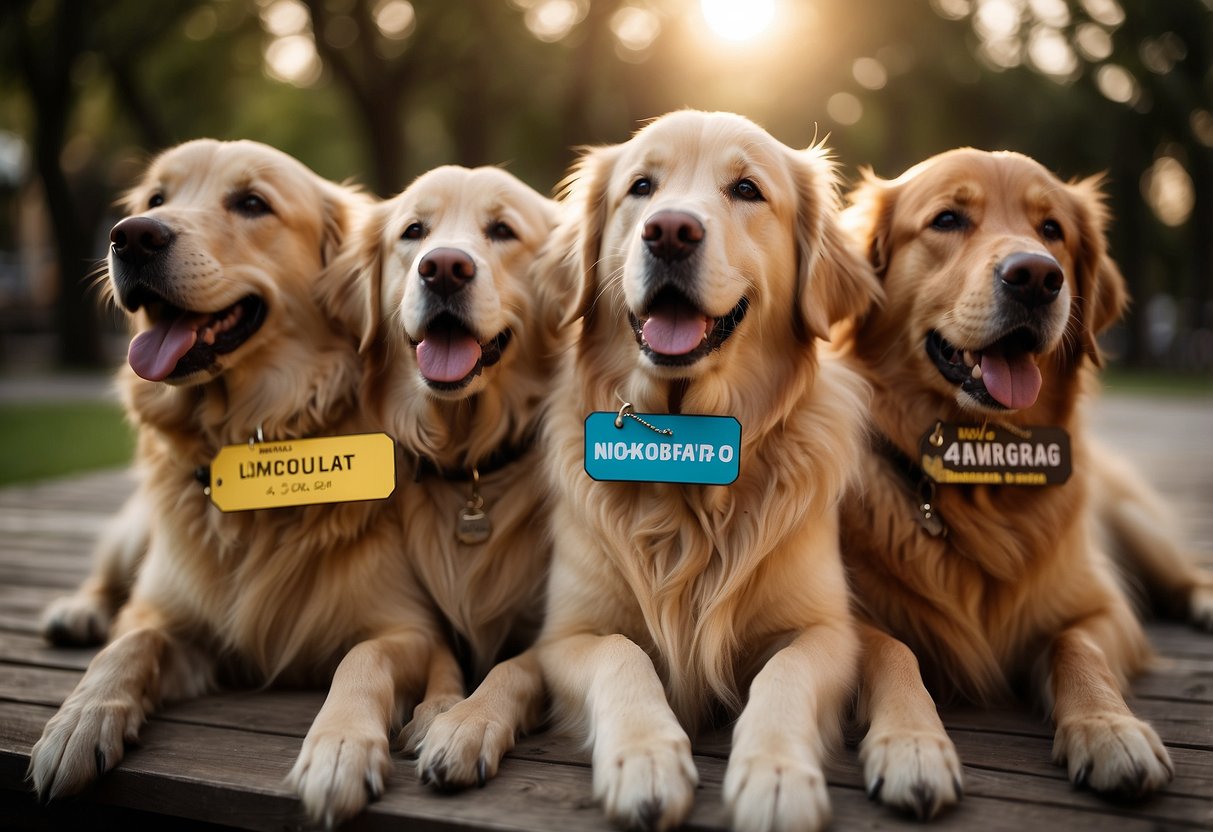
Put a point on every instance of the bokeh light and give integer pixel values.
(1167, 188)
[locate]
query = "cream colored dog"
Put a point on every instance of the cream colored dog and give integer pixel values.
(708, 261)
(460, 335)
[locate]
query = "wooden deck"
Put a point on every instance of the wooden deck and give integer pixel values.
(221, 760)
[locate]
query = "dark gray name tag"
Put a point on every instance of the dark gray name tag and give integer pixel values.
(991, 455)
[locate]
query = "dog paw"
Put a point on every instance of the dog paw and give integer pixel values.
(462, 748)
(916, 772)
(412, 735)
(1200, 607)
(776, 791)
(648, 783)
(339, 772)
(1114, 754)
(79, 620)
(81, 742)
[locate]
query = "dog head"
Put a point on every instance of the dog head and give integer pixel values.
(218, 256)
(703, 230)
(994, 269)
(445, 267)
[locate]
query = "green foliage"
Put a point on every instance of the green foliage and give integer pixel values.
(49, 440)
(1155, 383)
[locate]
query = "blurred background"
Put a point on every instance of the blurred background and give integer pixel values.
(378, 91)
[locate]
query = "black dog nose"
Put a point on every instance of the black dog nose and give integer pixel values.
(136, 240)
(672, 235)
(1030, 278)
(445, 271)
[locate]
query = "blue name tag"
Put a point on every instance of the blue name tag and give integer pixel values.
(701, 450)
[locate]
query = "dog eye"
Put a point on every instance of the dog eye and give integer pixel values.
(501, 231)
(949, 221)
(1051, 230)
(156, 200)
(414, 232)
(641, 187)
(746, 190)
(250, 205)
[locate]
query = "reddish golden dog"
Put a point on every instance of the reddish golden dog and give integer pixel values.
(998, 279)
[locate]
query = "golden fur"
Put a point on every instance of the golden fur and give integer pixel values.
(671, 604)
(1018, 591)
(490, 593)
(294, 594)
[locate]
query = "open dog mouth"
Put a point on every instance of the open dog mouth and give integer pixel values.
(674, 332)
(182, 342)
(1001, 375)
(449, 355)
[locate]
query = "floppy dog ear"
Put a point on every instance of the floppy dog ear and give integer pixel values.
(868, 219)
(833, 281)
(351, 284)
(578, 240)
(549, 274)
(1101, 296)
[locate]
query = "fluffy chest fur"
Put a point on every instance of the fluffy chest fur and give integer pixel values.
(980, 604)
(490, 592)
(284, 592)
(710, 580)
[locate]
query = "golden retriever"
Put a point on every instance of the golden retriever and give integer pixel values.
(708, 260)
(997, 278)
(460, 337)
(218, 265)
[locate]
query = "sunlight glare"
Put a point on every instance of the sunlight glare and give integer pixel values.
(738, 20)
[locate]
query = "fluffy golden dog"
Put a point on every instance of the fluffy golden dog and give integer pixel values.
(460, 334)
(997, 279)
(708, 260)
(218, 266)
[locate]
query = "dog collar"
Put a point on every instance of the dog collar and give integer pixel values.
(498, 459)
(922, 486)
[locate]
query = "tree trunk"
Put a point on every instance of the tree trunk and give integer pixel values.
(47, 74)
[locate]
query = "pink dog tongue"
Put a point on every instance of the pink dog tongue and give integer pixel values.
(672, 329)
(154, 354)
(448, 356)
(1014, 383)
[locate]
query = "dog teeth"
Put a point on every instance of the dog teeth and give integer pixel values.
(976, 372)
(969, 359)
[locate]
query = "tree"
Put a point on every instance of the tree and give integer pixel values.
(44, 40)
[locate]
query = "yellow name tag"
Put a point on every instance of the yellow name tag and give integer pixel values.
(301, 472)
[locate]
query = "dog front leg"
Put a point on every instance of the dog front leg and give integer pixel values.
(141, 666)
(465, 744)
(1099, 740)
(774, 779)
(345, 759)
(908, 759)
(643, 772)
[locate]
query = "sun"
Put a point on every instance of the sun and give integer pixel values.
(738, 20)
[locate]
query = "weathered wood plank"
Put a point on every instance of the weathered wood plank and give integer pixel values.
(235, 777)
(1187, 724)
(23, 648)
